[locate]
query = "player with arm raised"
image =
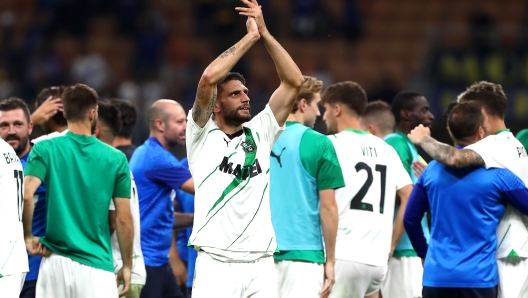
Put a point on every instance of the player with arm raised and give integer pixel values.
(229, 158)
(499, 150)
(373, 176)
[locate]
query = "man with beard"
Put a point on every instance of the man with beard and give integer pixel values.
(307, 160)
(229, 157)
(373, 176)
(15, 128)
(82, 175)
(404, 277)
(157, 172)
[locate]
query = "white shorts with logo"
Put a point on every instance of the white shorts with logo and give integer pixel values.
(299, 279)
(513, 277)
(356, 280)
(11, 285)
(63, 277)
(213, 278)
(404, 278)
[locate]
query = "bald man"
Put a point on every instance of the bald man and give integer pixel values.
(378, 119)
(157, 172)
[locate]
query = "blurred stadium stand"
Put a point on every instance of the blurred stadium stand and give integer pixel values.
(143, 50)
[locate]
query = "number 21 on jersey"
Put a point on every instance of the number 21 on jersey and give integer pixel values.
(356, 202)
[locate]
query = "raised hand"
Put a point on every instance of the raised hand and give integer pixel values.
(253, 10)
(418, 134)
(251, 26)
(46, 110)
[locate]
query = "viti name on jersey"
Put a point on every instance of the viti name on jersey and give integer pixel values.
(240, 171)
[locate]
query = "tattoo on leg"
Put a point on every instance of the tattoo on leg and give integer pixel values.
(231, 50)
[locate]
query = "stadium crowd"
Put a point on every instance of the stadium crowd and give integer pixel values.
(280, 210)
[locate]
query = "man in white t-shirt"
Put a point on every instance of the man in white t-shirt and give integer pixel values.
(373, 176)
(499, 150)
(13, 257)
(108, 125)
(229, 161)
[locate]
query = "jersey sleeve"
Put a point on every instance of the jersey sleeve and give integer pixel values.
(399, 172)
(319, 159)
(173, 173)
(485, 148)
(269, 125)
(513, 190)
(416, 207)
(36, 163)
(522, 136)
(402, 149)
(195, 135)
(122, 181)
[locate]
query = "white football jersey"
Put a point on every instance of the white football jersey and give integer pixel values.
(13, 256)
(232, 217)
(503, 150)
(51, 135)
(373, 174)
(139, 273)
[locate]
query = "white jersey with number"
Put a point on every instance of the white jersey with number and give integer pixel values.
(373, 173)
(503, 150)
(13, 257)
(139, 273)
(232, 217)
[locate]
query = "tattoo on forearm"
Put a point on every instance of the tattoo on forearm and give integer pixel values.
(229, 51)
(197, 111)
(201, 93)
(210, 106)
(449, 155)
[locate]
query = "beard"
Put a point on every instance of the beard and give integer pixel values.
(233, 118)
(22, 143)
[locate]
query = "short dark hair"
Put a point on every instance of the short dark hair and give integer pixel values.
(231, 76)
(128, 116)
(58, 118)
(448, 111)
(489, 95)
(380, 113)
(15, 103)
(77, 100)
(464, 120)
(348, 93)
(308, 90)
(403, 101)
(110, 116)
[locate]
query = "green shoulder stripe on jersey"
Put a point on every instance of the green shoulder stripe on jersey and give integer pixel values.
(361, 132)
(250, 159)
(220, 209)
(512, 254)
(258, 136)
(213, 130)
(503, 237)
(266, 187)
(215, 170)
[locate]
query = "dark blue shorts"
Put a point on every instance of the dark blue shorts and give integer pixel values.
(430, 292)
(161, 283)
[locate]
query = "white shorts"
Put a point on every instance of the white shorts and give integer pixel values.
(513, 277)
(213, 278)
(62, 277)
(404, 278)
(11, 285)
(299, 279)
(356, 280)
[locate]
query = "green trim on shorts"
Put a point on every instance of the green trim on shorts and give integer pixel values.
(313, 256)
(405, 253)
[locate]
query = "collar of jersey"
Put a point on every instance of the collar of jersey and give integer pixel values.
(358, 131)
(502, 130)
(290, 123)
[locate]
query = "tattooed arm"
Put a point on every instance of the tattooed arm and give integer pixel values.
(216, 71)
(450, 156)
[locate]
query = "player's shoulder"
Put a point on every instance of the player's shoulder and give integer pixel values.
(507, 177)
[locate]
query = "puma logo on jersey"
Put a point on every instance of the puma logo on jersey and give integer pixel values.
(278, 157)
(227, 142)
(240, 171)
(10, 158)
(522, 152)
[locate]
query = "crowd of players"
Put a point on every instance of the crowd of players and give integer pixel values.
(280, 211)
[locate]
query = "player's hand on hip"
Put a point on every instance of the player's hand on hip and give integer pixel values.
(45, 251)
(418, 134)
(33, 246)
(253, 10)
(124, 276)
(329, 276)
